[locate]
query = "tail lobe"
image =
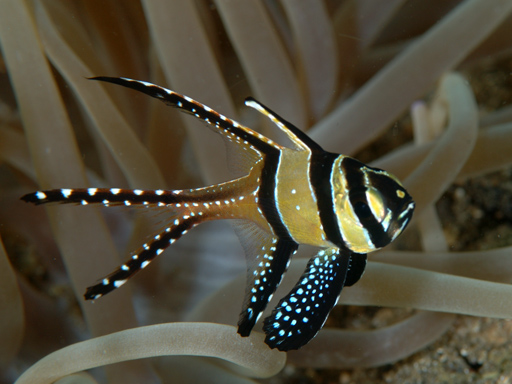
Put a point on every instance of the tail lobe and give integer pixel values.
(141, 258)
(105, 196)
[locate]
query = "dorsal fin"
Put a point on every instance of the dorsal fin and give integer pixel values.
(298, 138)
(228, 128)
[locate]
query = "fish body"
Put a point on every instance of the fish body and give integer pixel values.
(289, 196)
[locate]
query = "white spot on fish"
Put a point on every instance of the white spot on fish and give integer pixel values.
(41, 195)
(118, 283)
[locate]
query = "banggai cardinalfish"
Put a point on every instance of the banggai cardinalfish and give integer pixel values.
(288, 197)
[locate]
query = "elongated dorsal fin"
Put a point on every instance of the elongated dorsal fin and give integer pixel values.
(244, 146)
(227, 127)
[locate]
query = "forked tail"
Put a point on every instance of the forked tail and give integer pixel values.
(192, 207)
(189, 216)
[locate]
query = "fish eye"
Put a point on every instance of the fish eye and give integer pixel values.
(362, 210)
(360, 204)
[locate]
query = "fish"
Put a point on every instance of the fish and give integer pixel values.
(288, 196)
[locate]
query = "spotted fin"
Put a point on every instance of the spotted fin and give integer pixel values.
(301, 314)
(271, 260)
(141, 258)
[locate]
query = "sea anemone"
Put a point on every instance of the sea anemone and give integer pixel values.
(344, 71)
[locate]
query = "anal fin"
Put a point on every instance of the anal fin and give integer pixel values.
(267, 258)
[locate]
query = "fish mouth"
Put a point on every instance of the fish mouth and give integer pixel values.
(407, 211)
(403, 219)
